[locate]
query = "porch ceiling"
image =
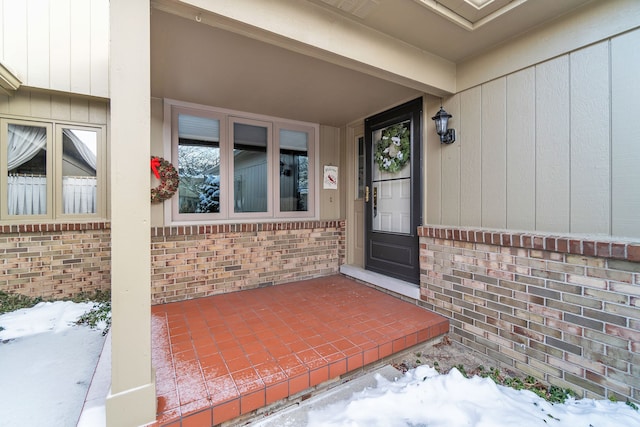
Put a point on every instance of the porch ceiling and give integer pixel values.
(234, 63)
(206, 65)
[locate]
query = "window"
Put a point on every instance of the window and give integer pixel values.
(235, 166)
(251, 166)
(294, 170)
(50, 171)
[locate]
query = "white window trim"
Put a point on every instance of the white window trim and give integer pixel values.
(274, 214)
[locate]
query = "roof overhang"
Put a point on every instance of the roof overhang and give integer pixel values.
(9, 82)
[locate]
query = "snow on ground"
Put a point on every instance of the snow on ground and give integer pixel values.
(47, 362)
(422, 397)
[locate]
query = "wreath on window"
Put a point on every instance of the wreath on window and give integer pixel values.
(393, 150)
(169, 179)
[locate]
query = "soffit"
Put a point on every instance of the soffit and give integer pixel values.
(231, 64)
(452, 29)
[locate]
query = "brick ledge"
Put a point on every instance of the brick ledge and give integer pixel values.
(564, 244)
(185, 230)
(52, 227)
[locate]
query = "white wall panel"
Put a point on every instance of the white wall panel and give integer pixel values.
(99, 48)
(552, 145)
(625, 135)
(80, 46)
(451, 169)
(469, 137)
(14, 27)
(494, 154)
(590, 147)
(2, 32)
(38, 43)
(521, 150)
(60, 46)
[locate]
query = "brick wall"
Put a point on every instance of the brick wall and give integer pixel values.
(563, 309)
(196, 261)
(55, 261)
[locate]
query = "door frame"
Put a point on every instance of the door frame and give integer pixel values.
(355, 205)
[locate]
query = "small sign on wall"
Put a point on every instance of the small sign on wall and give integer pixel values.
(330, 178)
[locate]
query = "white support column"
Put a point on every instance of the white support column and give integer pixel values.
(132, 399)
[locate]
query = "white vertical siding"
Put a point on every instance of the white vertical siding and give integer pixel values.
(469, 137)
(14, 28)
(38, 47)
(60, 45)
(494, 154)
(1, 32)
(99, 39)
(521, 150)
(550, 148)
(80, 45)
(590, 144)
(625, 135)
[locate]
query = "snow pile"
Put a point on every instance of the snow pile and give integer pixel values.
(47, 362)
(422, 397)
(53, 317)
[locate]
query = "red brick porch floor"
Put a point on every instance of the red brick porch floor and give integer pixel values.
(220, 357)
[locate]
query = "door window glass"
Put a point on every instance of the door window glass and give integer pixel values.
(391, 180)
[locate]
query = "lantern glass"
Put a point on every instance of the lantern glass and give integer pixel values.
(442, 121)
(441, 124)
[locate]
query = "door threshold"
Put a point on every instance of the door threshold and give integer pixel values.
(389, 283)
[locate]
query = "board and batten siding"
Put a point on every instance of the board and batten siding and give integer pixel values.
(60, 45)
(28, 104)
(551, 148)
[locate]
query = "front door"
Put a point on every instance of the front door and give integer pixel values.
(393, 208)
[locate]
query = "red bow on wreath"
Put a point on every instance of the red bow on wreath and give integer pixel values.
(155, 163)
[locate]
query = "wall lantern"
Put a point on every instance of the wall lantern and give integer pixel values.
(447, 136)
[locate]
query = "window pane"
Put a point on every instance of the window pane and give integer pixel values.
(250, 168)
(27, 170)
(391, 178)
(79, 177)
(294, 168)
(198, 164)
